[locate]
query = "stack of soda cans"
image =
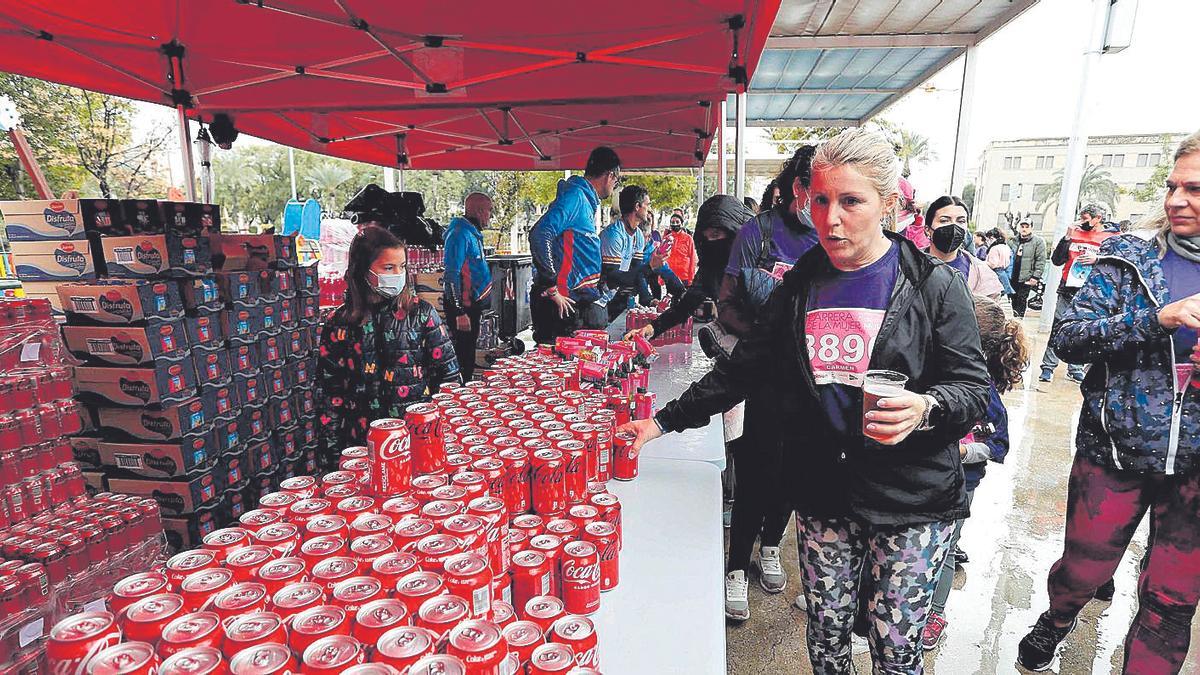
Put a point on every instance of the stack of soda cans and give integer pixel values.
(475, 535)
(639, 317)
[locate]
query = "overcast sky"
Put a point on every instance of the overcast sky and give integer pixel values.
(1027, 83)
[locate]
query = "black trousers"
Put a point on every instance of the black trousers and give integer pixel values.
(465, 342)
(1020, 298)
(548, 325)
(760, 510)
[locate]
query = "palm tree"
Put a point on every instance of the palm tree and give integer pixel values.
(1096, 186)
(914, 148)
(324, 180)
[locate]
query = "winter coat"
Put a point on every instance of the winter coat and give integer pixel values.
(929, 333)
(1135, 416)
(680, 253)
(996, 442)
(983, 280)
(1033, 261)
(468, 279)
(375, 370)
(565, 242)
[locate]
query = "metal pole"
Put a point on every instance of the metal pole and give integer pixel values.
(400, 179)
(739, 166)
(206, 171)
(722, 170)
(963, 135)
(292, 170)
(700, 188)
(185, 145)
(1076, 153)
(389, 179)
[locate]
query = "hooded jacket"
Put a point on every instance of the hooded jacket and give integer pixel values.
(468, 279)
(1135, 416)
(565, 243)
(929, 333)
(680, 252)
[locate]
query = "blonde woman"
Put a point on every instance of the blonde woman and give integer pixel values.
(877, 492)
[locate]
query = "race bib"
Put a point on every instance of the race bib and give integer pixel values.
(840, 342)
(1079, 271)
(780, 269)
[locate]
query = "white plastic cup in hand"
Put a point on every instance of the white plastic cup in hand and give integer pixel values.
(879, 384)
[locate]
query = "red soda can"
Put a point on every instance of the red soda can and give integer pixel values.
(523, 637)
(277, 501)
(128, 658)
(582, 514)
(578, 633)
(589, 435)
(195, 629)
(530, 523)
(470, 530)
(275, 574)
(610, 511)
(329, 571)
(247, 560)
(256, 519)
(451, 493)
(78, 638)
(604, 536)
(352, 507)
(516, 479)
(625, 463)
(438, 664)
(456, 462)
(406, 534)
(415, 588)
(255, 628)
(481, 646)
(318, 548)
(315, 623)
(493, 470)
(440, 509)
(135, 587)
(183, 564)
(306, 509)
(548, 491)
(401, 647)
(477, 484)
(333, 654)
(268, 659)
(581, 577)
(424, 485)
(388, 442)
(367, 548)
(643, 405)
(351, 594)
(563, 528)
(441, 613)
(303, 487)
(502, 610)
(550, 545)
(240, 598)
(424, 421)
(575, 471)
(389, 567)
(370, 523)
(194, 661)
(544, 610)
(432, 551)
(145, 619)
(531, 578)
(336, 493)
(495, 514)
(297, 597)
(399, 507)
(468, 576)
(377, 617)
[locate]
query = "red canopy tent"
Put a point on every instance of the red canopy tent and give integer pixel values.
(424, 85)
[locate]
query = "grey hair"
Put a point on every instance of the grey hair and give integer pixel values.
(873, 155)
(1157, 222)
(1188, 146)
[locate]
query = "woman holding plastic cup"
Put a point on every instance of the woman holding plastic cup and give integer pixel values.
(879, 488)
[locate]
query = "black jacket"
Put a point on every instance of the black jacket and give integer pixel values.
(929, 333)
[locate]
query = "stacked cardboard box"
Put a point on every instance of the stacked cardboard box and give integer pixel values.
(49, 244)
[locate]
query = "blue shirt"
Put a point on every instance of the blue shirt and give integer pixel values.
(845, 312)
(1183, 279)
(618, 247)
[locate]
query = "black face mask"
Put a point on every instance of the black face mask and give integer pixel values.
(1086, 226)
(712, 257)
(676, 226)
(949, 238)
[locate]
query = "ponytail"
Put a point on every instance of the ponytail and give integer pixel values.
(1003, 340)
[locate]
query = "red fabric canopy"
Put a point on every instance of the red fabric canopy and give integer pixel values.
(518, 85)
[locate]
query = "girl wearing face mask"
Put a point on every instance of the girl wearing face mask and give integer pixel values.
(946, 227)
(381, 350)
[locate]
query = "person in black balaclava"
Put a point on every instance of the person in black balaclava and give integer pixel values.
(717, 222)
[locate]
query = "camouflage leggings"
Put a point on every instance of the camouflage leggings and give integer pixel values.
(903, 564)
(1104, 507)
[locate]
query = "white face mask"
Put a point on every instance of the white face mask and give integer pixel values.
(388, 285)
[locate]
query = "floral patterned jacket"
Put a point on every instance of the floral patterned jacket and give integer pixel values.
(375, 370)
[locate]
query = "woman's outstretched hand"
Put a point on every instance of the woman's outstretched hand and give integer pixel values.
(646, 430)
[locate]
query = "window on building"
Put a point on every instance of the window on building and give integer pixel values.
(1008, 162)
(1143, 159)
(1049, 161)
(1005, 192)
(1017, 192)
(1155, 158)
(1112, 160)
(1139, 186)
(1118, 160)
(1038, 190)
(1045, 162)
(1106, 160)
(1036, 219)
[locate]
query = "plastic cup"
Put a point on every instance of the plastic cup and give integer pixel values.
(879, 384)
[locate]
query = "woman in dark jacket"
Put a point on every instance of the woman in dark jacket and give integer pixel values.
(889, 492)
(382, 350)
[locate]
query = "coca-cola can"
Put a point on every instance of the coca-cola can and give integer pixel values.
(275, 574)
(377, 617)
(502, 610)
(254, 628)
(441, 509)
(135, 587)
(550, 545)
(424, 422)
(531, 576)
(544, 610)
(333, 654)
(415, 588)
(127, 658)
(610, 510)
(495, 514)
(563, 528)
(303, 487)
(352, 593)
(297, 597)
(246, 561)
(194, 629)
(530, 523)
(432, 551)
(575, 471)
(283, 538)
(278, 502)
(604, 535)
(424, 485)
(407, 533)
(315, 623)
(240, 599)
(256, 519)
(194, 661)
(390, 567)
(307, 509)
(182, 564)
(389, 445)
(401, 647)
(551, 659)
(493, 470)
(441, 613)
(75, 640)
(480, 644)
(438, 664)
(371, 669)
(352, 507)
(580, 577)
(516, 479)
(265, 659)
(318, 548)
(329, 571)
(578, 633)
(401, 507)
(145, 619)
(368, 548)
(476, 484)
(470, 530)
(370, 523)
(548, 489)
(469, 577)
(625, 462)
(523, 637)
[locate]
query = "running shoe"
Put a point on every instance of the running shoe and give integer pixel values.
(770, 570)
(1039, 648)
(960, 556)
(1046, 376)
(934, 629)
(1106, 591)
(737, 603)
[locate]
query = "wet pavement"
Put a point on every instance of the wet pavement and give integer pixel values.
(1012, 537)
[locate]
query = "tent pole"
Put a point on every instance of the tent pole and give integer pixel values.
(185, 145)
(700, 188)
(722, 170)
(739, 167)
(389, 179)
(966, 99)
(292, 170)
(206, 170)
(400, 179)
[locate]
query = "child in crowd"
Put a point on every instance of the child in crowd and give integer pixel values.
(1003, 342)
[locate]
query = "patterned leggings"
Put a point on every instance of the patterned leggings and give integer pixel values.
(903, 564)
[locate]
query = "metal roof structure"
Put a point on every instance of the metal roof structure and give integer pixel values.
(841, 62)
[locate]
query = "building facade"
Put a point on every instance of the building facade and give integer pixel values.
(1011, 173)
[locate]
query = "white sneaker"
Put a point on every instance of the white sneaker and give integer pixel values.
(770, 570)
(800, 603)
(737, 604)
(859, 644)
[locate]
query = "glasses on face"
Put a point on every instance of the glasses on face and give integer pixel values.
(617, 179)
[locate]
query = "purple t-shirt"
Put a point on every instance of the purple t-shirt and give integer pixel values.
(1183, 279)
(845, 312)
(962, 263)
(788, 243)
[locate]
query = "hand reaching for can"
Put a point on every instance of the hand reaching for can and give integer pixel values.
(646, 430)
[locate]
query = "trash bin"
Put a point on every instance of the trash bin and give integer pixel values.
(512, 276)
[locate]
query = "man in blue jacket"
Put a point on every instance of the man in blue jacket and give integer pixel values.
(620, 246)
(468, 281)
(565, 244)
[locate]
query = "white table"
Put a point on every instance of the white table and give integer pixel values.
(667, 613)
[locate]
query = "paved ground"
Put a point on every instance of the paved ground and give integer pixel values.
(1013, 536)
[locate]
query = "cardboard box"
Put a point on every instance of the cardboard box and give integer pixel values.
(192, 454)
(255, 425)
(104, 217)
(287, 441)
(146, 256)
(434, 299)
(304, 401)
(143, 216)
(46, 290)
(128, 345)
(271, 323)
(205, 330)
(227, 437)
(212, 366)
(283, 281)
(33, 220)
(310, 309)
(272, 350)
(289, 316)
(201, 294)
(244, 359)
(262, 456)
(191, 219)
(304, 372)
(168, 423)
(241, 325)
(234, 503)
(239, 287)
(95, 482)
(220, 401)
(53, 260)
(160, 384)
(175, 498)
(429, 282)
(86, 451)
(120, 302)
(277, 380)
(253, 251)
(307, 280)
(250, 387)
(295, 343)
(281, 411)
(189, 531)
